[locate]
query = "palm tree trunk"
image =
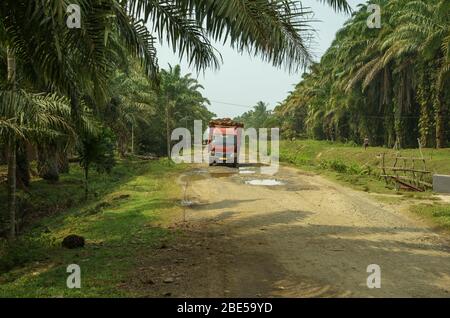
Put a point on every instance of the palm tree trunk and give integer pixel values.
(168, 130)
(122, 145)
(48, 162)
(132, 139)
(86, 184)
(440, 122)
(426, 121)
(12, 187)
(22, 166)
(11, 60)
(63, 162)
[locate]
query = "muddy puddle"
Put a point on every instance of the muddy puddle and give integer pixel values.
(247, 172)
(187, 203)
(265, 182)
(195, 175)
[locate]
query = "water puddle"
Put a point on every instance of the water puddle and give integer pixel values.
(246, 172)
(187, 203)
(265, 182)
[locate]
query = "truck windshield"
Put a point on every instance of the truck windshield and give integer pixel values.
(227, 139)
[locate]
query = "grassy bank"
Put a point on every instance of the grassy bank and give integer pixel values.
(352, 164)
(125, 216)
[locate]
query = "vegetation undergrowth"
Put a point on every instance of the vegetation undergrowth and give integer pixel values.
(126, 215)
(439, 214)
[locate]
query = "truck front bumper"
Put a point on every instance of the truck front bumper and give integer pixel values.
(228, 158)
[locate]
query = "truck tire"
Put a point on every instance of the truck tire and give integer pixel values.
(235, 163)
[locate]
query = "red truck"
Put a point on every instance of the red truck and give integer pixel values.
(224, 141)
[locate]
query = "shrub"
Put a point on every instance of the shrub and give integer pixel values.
(341, 167)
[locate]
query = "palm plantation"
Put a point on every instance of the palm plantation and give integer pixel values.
(43, 56)
(76, 66)
(259, 117)
(390, 84)
(85, 111)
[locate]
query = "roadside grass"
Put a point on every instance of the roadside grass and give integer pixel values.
(127, 215)
(439, 214)
(353, 165)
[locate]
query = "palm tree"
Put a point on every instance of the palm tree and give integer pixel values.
(388, 83)
(417, 34)
(278, 30)
(257, 117)
(77, 63)
(30, 117)
(425, 32)
(50, 58)
(176, 94)
(133, 102)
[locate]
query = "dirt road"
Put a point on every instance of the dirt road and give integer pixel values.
(305, 237)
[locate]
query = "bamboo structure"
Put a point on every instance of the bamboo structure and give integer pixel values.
(406, 172)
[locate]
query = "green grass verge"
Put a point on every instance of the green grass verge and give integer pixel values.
(352, 164)
(125, 216)
(439, 214)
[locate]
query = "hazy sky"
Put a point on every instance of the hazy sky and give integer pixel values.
(243, 80)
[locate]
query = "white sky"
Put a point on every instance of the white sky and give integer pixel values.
(243, 80)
